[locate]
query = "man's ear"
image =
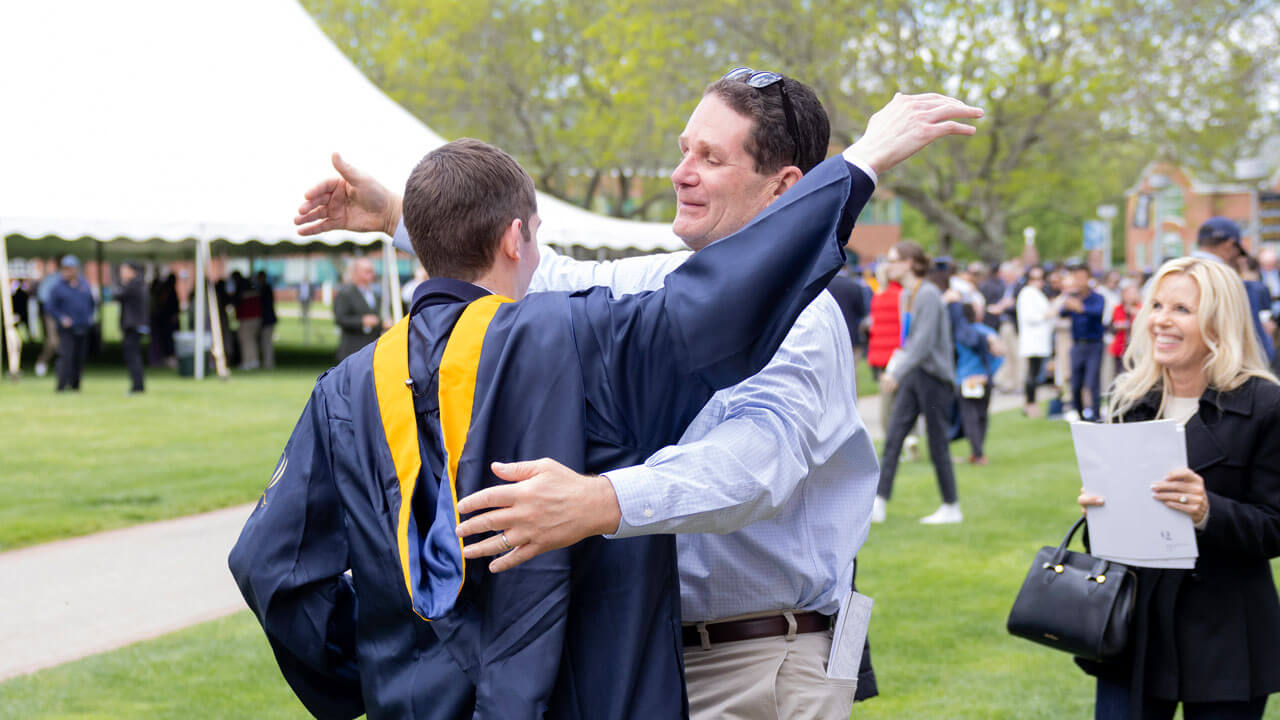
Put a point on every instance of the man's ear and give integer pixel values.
(509, 246)
(787, 177)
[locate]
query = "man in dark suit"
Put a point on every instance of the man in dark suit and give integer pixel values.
(355, 309)
(133, 321)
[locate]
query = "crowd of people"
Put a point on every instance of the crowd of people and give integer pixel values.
(67, 319)
(940, 340)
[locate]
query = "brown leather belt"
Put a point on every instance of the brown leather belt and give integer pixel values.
(772, 626)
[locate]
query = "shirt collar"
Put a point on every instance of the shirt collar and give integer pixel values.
(1239, 401)
(438, 291)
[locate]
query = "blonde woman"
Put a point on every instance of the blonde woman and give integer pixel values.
(1208, 638)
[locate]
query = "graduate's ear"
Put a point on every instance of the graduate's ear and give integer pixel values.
(509, 245)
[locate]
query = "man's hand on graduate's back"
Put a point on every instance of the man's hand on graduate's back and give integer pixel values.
(907, 124)
(546, 506)
(353, 201)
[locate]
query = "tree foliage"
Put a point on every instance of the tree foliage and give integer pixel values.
(1079, 95)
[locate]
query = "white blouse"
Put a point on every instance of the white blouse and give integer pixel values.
(1181, 408)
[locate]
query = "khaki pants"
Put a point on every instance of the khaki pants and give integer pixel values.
(765, 679)
(50, 341)
(1062, 357)
(267, 345)
(1009, 377)
(247, 333)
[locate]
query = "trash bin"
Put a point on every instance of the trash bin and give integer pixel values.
(184, 346)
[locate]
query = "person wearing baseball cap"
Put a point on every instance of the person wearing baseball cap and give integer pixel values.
(1219, 239)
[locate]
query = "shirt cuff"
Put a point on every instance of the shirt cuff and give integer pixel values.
(1204, 521)
(400, 240)
(630, 485)
(857, 162)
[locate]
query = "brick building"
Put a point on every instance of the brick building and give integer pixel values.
(879, 227)
(1166, 206)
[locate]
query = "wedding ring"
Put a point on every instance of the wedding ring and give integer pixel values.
(505, 542)
(1182, 499)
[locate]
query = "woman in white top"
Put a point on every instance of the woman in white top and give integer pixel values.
(1035, 331)
(1209, 637)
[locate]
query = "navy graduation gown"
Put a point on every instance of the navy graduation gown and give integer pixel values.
(365, 599)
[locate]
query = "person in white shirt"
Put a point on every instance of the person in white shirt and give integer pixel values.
(1035, 333)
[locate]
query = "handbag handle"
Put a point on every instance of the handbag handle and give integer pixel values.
(1062, 547)
(1097, 573)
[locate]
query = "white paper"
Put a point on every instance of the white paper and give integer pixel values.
(1184, 563)
(1120, 462)
(849, 638)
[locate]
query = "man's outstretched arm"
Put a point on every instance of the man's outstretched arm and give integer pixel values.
(540, 505)
(358, 202)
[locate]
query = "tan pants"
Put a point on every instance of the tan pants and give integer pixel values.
(50, 341)
(1009, 378)
(267, 345)
(765, 679)
(1062, 357)
(247, 333)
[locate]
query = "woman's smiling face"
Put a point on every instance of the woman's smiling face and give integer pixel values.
(1177, 342)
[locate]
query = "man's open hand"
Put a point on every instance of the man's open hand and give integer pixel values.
(547, 506)
(353, 201)
(907, 124)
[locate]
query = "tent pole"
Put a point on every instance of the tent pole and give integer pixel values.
(199, 324)
(305, 302)
(393, 279)
(102, 283)
(7, 320)
(215, 318)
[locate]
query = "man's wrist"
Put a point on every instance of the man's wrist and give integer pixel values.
(609, 510)
(394, 213)
(866, 161)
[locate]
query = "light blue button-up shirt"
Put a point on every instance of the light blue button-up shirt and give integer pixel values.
(772, 484)
(770, 489)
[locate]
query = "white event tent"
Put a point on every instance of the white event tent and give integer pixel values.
(179, 120)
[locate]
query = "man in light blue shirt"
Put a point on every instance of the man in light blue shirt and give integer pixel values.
(771, 486)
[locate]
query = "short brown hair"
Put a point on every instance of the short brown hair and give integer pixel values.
(457, 203)
(770, 144)
(915, 257)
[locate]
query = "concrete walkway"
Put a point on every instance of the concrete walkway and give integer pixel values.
(69, 599)
(72, 598)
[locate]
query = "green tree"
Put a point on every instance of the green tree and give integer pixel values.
(588, 96)
(1079, 95)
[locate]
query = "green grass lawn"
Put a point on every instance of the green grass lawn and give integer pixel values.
(221, 669)
(943, 592)
(939, 645)
(77, 463)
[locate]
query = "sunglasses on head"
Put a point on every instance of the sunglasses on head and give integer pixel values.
(761, 79)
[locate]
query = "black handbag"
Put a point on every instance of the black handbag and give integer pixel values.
(1075, 602)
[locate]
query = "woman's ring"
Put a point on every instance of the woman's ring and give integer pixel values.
(1182, 499)
(506, 543)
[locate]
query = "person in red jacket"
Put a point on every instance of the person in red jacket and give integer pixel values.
(1121, 320)
(885, 334)
(884, 337)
